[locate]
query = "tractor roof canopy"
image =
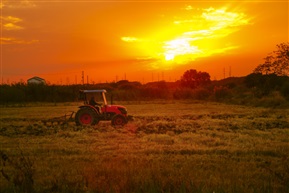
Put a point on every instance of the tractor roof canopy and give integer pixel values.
(93, 91)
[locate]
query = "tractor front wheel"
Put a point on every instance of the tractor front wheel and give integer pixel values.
(86, 116)
(118, 120)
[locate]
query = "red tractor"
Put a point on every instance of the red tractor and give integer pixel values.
(92, 112)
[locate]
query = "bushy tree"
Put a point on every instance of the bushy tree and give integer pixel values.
(192, 78)
(276, 62)
(268, 83)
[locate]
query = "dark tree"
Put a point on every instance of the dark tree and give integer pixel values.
(276, 62)
(193, 78)
(265, 84)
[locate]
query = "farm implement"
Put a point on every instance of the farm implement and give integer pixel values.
(62, 120)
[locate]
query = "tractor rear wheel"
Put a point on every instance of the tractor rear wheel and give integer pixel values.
(86, 117)
(118, 120)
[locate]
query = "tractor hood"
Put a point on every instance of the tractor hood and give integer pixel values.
(118, 109)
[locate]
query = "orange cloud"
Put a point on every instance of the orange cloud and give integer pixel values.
(221, 18)
(11, 19)
(17, 4)
(11, 26)
(130, 39)
(9, 23)
(9, 40)
(215, 24)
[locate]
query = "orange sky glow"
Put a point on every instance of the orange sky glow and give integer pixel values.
(136, 40)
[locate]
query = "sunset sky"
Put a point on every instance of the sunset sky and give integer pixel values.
(141, 41)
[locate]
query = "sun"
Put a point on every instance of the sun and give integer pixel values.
(169, 57)
(179, 49)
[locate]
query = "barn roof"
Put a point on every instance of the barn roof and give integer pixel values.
(36, 78)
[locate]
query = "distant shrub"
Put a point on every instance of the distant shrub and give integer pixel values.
(184, 93)
(155, 90)
(221, 92)
(126, 85)
(201, 94)
(285, 90)
(264, 85)
(188, 93)
(124, 95)
(273, 100)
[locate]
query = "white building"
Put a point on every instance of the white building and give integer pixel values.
(36, 80)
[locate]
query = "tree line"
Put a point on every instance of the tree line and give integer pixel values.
(121, 90)
(267, 85)
(239, 90)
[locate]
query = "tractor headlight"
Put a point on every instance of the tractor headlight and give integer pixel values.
(122, 110)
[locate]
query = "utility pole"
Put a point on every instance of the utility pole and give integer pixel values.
(82, 77)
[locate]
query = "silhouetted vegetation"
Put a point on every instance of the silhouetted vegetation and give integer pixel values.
(276, 62)
(266, 84)
(254, 89)
(194, 79)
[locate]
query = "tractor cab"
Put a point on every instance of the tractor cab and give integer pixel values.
(95, 109)
(91, 96)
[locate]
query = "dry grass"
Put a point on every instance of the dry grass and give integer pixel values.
(169, 147)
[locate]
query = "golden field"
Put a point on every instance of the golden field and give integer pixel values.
(170, 146)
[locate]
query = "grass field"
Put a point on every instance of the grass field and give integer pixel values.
(171, 146)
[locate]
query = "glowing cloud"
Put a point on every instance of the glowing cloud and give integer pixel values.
(11, 19)
(130, 39)
(17, 4)
(11, 26)
(221, 18)
(218, 23)
(9, 23)
(6, 41)
(189, 7)
(179, 46)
